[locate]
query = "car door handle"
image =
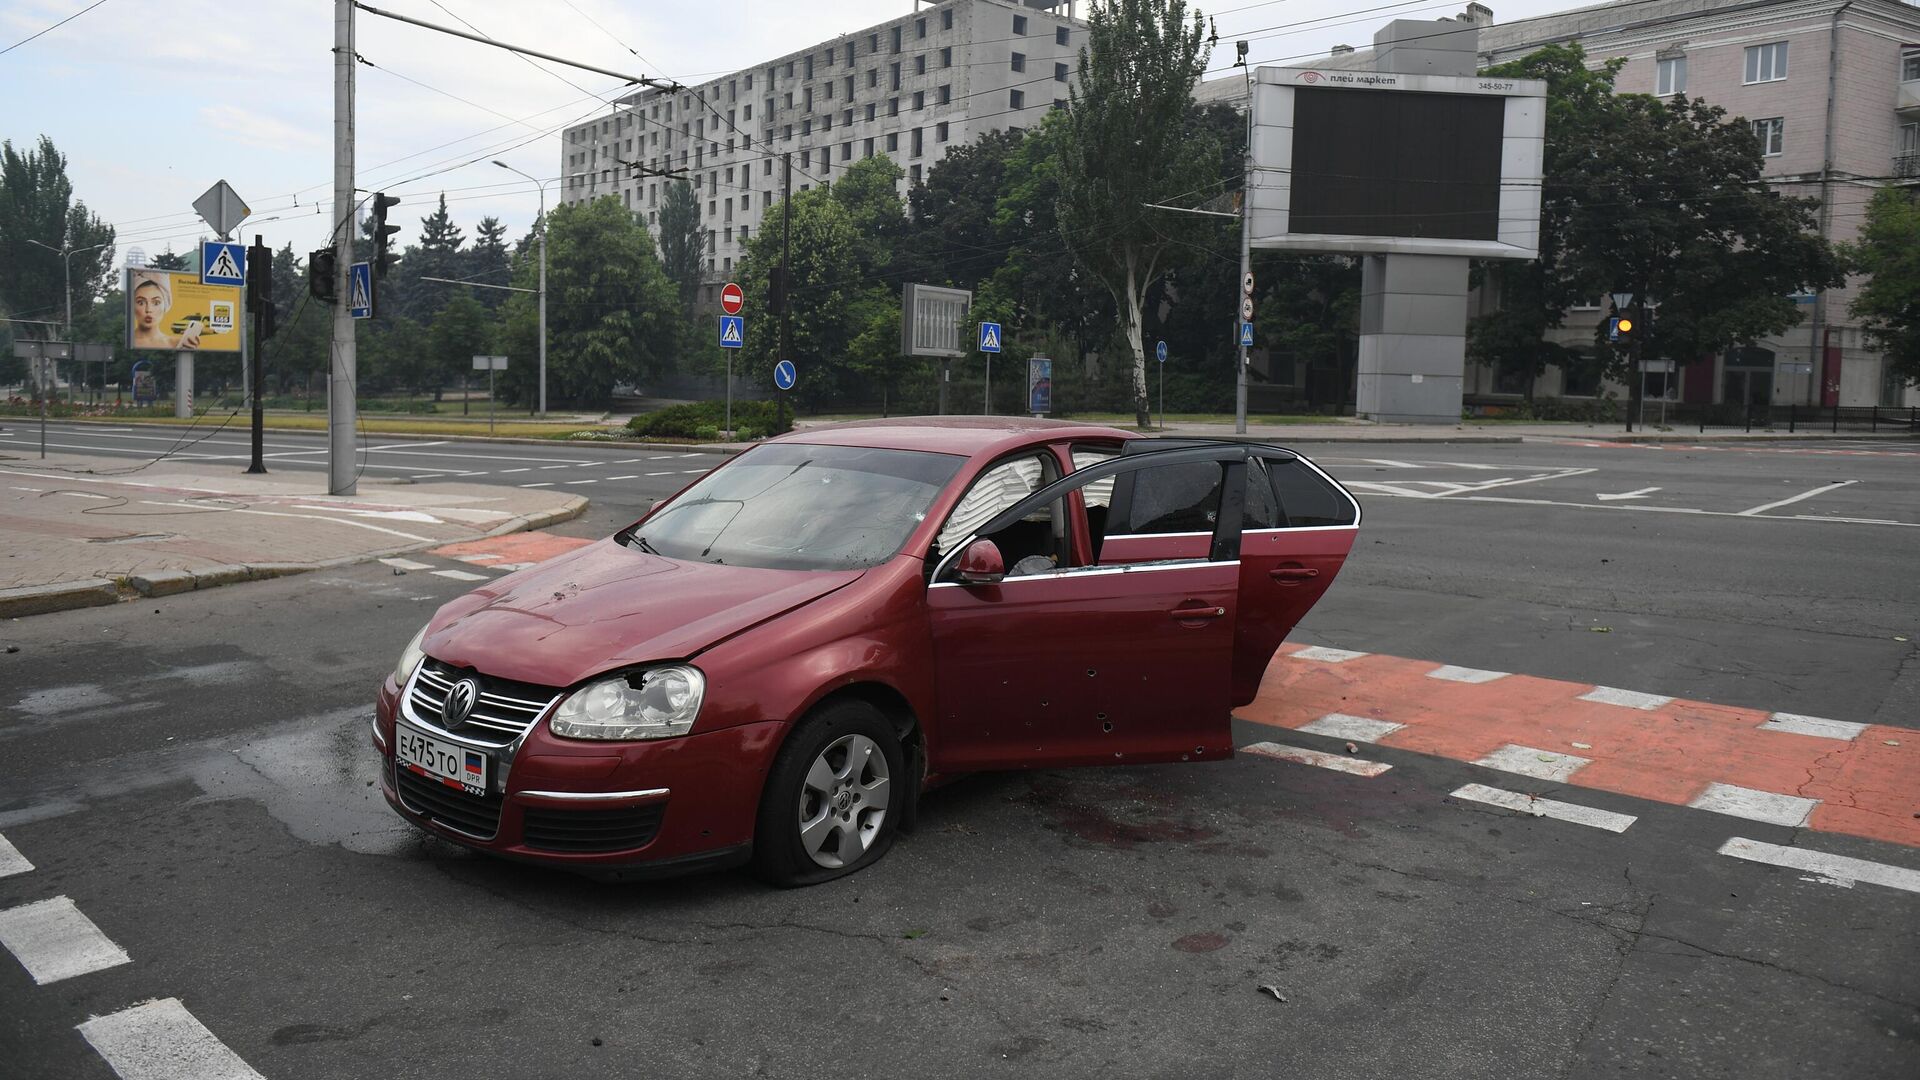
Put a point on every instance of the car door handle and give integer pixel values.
(1295, 573)
(1186, 613)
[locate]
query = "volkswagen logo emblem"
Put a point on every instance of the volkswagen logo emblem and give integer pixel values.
(459, 704)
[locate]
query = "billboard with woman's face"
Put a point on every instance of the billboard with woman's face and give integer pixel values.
(171, 310)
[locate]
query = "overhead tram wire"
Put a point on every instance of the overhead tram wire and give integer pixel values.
(51, 29)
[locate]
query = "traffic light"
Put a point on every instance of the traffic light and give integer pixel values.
(382, 258)
(1619, 326)
(260, 287)
(323, 269)
(777, 288)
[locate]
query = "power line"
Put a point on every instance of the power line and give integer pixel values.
(51, 29)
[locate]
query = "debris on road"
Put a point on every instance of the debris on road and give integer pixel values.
(1274, 990)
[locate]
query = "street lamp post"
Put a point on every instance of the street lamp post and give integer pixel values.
(66, 283)
(542, 186)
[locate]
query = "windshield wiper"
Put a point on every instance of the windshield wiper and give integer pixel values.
(628, 538)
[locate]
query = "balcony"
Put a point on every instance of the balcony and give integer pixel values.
(1907, 166)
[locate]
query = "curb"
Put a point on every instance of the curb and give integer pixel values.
(99, 592)
(704, 448)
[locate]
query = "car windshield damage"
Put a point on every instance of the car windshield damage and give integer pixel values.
(792, 506)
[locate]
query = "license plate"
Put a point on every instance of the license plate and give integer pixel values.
(449, 763)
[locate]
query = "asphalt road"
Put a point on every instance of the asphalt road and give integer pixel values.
(194, 774)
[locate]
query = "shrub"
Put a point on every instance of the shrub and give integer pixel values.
(703, 420)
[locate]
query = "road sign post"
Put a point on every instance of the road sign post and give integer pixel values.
(1160, 354)
(989, 345)
(732, 299)
(489, 364)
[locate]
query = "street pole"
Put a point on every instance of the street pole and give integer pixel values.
(254, 367)
(340, 386)
(541, 185)
(1246, 264)
(986, 407)
(786, 279)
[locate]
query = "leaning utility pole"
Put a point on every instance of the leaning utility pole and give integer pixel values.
(340, 382)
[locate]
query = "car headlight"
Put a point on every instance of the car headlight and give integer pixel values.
(658, 703)
(410, 658)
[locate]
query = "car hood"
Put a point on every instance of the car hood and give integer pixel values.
(606, 606)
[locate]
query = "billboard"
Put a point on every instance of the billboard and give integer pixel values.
(171, 310)
(930, 321)
(1449, 165)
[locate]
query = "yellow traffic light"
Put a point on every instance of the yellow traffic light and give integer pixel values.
(1626, 325)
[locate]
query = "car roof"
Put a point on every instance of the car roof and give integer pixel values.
(971, 436)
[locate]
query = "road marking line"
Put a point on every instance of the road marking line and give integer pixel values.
(548, 483)
(629, 476)
(504, 472)
(407, 564)
(1821, 490)
(426, 476)
(11, 861)
(82, 495)
(659, 474)
(659, 457)
(459, 575)
(1301, 756)
(569, 465)
(582, 482)
(1837, 869)
(1388, 463)
(408, 445)
(1813, 725)
(1735, 801)
(1328, 656)
(1535, 762)
(54, 941)
(689, 455)
(1451, 673)
(691, 472)
(1550, 808)
(1357, 728)
(1631, 699)
(161, 1040)
(482, 559)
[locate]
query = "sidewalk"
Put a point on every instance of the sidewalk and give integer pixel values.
(79, 531)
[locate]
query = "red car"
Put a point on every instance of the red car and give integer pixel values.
(771, 666)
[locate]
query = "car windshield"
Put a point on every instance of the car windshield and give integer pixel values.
(792, 506)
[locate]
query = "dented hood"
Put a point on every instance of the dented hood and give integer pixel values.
(606, 606)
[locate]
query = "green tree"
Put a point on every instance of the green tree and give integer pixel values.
(683, 242)
(487, 261)
(463, 330)
(1128, 138)
(1309, 317)
(612, 314)
(169, 260)
(37, 207)
(823, 285)
(1888, 304)
(952, 238)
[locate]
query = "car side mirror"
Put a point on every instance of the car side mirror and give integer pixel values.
(981, 564)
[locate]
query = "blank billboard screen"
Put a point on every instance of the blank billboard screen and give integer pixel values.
(1396, 164)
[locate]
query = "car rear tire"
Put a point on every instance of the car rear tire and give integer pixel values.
(834, 799)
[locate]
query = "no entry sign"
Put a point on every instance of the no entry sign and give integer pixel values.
(732, 299)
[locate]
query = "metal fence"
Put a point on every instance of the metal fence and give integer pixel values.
(1798, 418)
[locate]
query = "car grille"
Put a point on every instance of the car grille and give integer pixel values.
(503, 713)
(476, 815)
(591, 830)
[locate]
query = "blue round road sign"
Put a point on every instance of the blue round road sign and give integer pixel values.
(784, 375)
(1160, 351)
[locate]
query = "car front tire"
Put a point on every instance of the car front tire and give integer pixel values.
(834, 799)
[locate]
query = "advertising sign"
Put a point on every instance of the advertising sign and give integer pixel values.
(1039, 385)
(171, 310)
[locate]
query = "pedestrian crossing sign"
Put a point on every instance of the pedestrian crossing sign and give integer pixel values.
(360, 291)
(222, 263)
(990, 337)
(733, 331)
(1246, 335)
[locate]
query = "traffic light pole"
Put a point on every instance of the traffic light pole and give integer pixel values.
(786, 278)
(340, 382)
(254, 365)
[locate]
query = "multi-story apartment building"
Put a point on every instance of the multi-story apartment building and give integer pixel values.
(1832, 89)
(910, 88)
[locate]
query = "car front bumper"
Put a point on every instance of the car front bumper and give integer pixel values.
(619, 810)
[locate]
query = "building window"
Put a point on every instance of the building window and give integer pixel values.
(806, 159)
(920, 63)
(807, 97)
(919, 28)
(1672, 77)
(746, 112)
(743, 228)
(946, 94)
(728, 264)
(1019, 24)
(1016, 99)
(940, 131)
(913, 176)
(846, 116)
(749, 82)
(1767, 63)
(919, 100)
(1771, 133)
(806, 128)
(766, 168)
(917, 146)
(893, 76)
(946, 57)
(873, 43)
(1019, 61)
(866, 147)
(895, 40)
(893, 141)
(1910, 65)
(946, 19)
(789, 70)
(846, 151)
(807, 66)
(872, 110)
(893, 106)
(1060, 73)
(1060, 36)
(848, 83)
(849, 54)
(786, 131)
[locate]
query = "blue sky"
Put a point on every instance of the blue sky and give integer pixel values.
(154, 102)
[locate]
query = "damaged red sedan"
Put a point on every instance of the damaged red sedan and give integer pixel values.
(771, 666)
